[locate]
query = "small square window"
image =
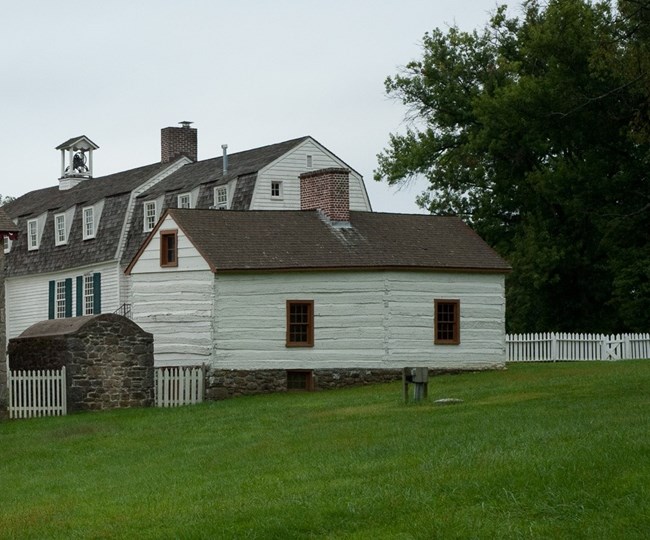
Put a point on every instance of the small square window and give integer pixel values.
(447, 322)
(88, 223)
(298, 379)
(32, 234)
(149, 215)
(300, 323)
(276, 190)
(168, 248)
(59, 230)
(184, 201)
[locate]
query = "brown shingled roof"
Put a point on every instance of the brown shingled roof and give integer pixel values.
(301, 240)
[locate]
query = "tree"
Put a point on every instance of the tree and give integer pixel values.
(6, 199)
(536, 131)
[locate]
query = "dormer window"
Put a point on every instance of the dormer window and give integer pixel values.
(150, 217)
(88, 223)
(184, 201)
(7, 244)
(32, 234)
(59, 230)
(221, 197)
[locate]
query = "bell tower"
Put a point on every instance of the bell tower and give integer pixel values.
(76, 161)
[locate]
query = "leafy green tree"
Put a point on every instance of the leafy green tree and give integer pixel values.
(536, 131)
(6, 199)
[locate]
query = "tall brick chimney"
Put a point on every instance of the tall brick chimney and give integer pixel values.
(178, 141)
(327, 190)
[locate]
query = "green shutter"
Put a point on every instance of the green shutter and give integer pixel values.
(97, 293)
(68, 297)
(50, 308)
(80, 296)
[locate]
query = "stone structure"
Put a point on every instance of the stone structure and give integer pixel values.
(228, 383)
(108, 358)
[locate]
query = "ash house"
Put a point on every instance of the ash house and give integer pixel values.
(267, 266)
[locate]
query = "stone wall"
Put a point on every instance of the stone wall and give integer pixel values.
(228, 383)
(108, 358)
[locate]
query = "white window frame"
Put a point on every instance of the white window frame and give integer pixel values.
(280, 193)
(32, 234)
(180, 202)
(219, 200)
(7, 244)
(88, 294)
(150, 218)
(60, 237)
(88, 222)
(310, 161)
(59, 312)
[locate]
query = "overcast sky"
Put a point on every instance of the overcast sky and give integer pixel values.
(247, 73)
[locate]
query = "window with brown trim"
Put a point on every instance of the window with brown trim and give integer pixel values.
(300, 323)
(300, 379)
(447, 322)
(168, 248)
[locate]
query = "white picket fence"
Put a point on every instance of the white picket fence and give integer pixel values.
(175, 386)
(33, 393)
(554, 347)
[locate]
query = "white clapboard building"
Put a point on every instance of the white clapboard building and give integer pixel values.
(266, 266)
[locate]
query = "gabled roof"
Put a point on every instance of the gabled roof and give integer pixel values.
(78, 143)
(211, 170)
(305, 240)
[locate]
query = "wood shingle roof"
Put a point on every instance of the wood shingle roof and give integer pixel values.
(303, 240)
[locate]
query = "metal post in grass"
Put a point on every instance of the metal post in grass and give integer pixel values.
(419, 377)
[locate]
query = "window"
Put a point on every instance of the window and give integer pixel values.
(89, 289)
(89, 295)
(149, 215)
(88, 223)
(7, 244)
(32, 234)
(276, 190)
(447, 322)
(309, 162)
(300, 323)
(59, 230)
(168, 248)
(60, 299)
(300, 380)
(221, 197)
(184, 201)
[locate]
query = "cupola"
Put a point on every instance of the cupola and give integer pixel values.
(76, 161)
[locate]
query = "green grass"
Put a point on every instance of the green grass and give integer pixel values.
(537, 451)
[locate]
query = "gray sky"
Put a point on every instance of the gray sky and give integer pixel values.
(247, 73)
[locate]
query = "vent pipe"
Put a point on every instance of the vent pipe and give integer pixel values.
(225, 158)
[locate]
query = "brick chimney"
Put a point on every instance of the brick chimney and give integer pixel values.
(327, 190)
(178, 141)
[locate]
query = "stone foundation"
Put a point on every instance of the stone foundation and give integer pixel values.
(228, 383)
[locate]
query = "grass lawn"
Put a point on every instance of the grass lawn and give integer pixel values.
(537, 451)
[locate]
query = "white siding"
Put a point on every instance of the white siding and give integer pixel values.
(174, 304)
(362, 319)
(27, 297)
(287, 170)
